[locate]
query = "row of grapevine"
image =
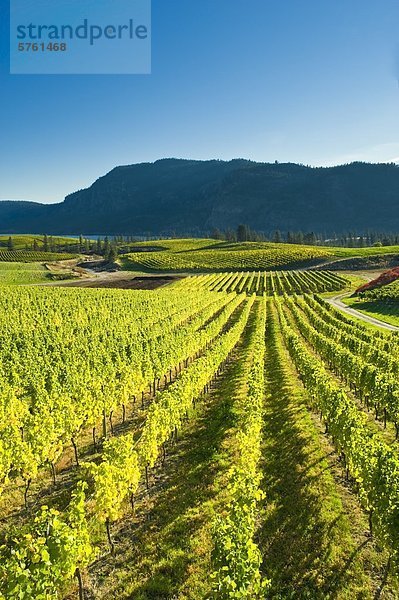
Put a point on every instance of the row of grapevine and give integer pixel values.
(40, 560)
(334, 316)
(123, 461)
(60, 395)
(235, 555)
(270, 283)
(42, 557)
(376, 350)
(374, 384)
(388, 293)
(373, 464)
(27, 256)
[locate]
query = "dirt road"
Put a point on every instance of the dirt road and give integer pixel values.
(337, 302)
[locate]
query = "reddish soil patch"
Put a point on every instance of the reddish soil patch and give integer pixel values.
(383, 279)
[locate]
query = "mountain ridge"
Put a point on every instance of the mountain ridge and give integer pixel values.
(183, 196)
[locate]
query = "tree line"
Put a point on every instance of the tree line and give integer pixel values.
(243, 233)
(107, 247)
(110, 247)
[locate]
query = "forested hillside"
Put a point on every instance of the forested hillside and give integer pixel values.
(193, 197)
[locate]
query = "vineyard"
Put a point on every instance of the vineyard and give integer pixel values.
(207, 255)
(228, 436)
(381, 303)
(15, 273)
(268, 283)
(388, 293)
(28, 256)
(226, 257)
(28, 241)
(27, 273)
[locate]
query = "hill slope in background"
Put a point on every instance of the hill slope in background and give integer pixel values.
(187, 196)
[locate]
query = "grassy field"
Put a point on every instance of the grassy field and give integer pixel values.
(379, 309)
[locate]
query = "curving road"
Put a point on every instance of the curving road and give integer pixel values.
(337, 302)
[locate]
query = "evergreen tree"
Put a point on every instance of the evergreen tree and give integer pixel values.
(216, 234)
(243, 233)
(113, 253)
(107, 247)
(10, 244)
(310, 238)
(230, 235)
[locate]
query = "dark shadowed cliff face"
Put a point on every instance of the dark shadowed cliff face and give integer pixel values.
(184, 196)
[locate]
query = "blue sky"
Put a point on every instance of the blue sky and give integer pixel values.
(314, 82)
